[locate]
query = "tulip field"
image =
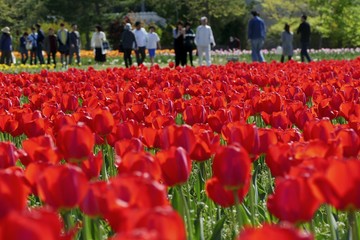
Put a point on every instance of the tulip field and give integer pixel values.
(235, 151)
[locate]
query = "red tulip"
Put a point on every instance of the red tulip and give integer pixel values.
(75, 142)
(139, 162)
(195, 114)
(103, 121)
(179, 136)
(350, 142)
(92, 166)
(40, 149)
(94, 202)
(319, 129)
(128, 145)
(8, 155)
(339, 184)
(232, 167)
(13, 192)
(289, 195)
(274, 232)
(222, 195)
(175, 165)
(244, 134)
(37, 224)
(62, 186)
(206, 144)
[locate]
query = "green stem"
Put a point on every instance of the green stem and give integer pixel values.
(66, 216)
(331, 223)
(86, 227)
(238, 209)
(353, 225)
(187, 213)
(252, 203)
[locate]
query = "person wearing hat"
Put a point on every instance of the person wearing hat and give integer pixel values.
(256, 35)
(204, 40)
(6, 46)
(141, 39)
(128, 43)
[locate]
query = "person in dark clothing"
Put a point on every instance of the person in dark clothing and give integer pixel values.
(304, 31)
(32, 40)
(23, 50)
(74, 37)
(189, 43)
(40, 43)
(51, 43)
(64, 44)
(128, 43)
(5, 46)
(256, 35)
(179, 47)
(234, 43)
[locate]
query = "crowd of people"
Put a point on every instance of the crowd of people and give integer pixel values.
(68, 43)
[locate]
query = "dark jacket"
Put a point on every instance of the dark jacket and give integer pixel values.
(5, 42)
(40, 38)
(256, 28)
(304, 31)
(74, 38)
(128, 40)
(189, 38)
(51, 43)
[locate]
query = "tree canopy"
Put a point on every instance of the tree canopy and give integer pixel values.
(335, 23)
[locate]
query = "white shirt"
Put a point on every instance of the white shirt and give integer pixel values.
(204, 36)
(97, 39)
(152, 40)
(140, 36)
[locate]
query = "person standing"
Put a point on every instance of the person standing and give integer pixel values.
(304, 31)
(74, 44)
(6, 46)
(256, 35)
(153, 42)
(51, 42)
(140, 36)
(179, 47)
(33, 42)
(64, 44)
(128, 43)
(189, 43)
(287, 43)
(97, 42)
(40, 43)
(204, 40)
(23, 49)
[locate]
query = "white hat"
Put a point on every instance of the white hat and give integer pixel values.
(6, 30)
(128, 26)
(203, 18)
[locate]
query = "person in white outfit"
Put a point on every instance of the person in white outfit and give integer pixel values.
(153, 42)
(204, 40)
(141, 39)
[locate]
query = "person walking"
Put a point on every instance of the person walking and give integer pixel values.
(97, 42)
(204, 40)
(64, 44)
(189, 43)
(6, 46)
(23, 48)
(256, 35)
(50, 46)
(153, 43)
(140, 36)
(40, 43)
(179, 47)
(287, 43)
(304, 31)
(33, 42)
(128, 43)
(74, 38)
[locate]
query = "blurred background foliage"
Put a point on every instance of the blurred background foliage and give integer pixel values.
(335, 23)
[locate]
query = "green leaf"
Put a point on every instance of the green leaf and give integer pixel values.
(217, 229)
